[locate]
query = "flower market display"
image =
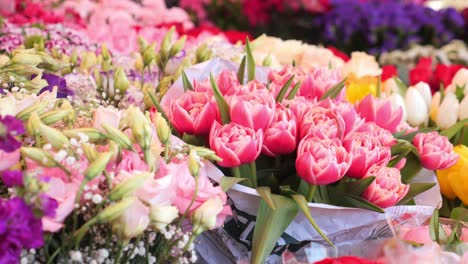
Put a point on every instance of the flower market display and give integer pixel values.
(141, 132)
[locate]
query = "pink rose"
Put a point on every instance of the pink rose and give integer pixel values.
(280, 137)
(252, 109)
(435, 151)
(227, 80)
(323, 117)
(381, 112)
(321, 161)
(185, 188)
(386, 190)
(366, 151)
(9, 159)
(193, 113)
(65, 194)
(108, 116)
(235, 144)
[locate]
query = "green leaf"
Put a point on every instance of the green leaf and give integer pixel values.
(411, 169)
(284, 89)
(359, 186)
(265, 193)
(294, 90)
(460, 92)
(410, 136)
(434, 226)
(401, 86)
(241, 71)
(186, 82)
(415, 189)
(163, 114)
(302, 203)
(459, 213)
(227, 182)
(270, 225)
(453, 130)
(250, 62)
(359, 202)
(454, 238)
(334, 91)
(393, 162)
(222, 105)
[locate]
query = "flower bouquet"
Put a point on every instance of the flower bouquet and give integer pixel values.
(293, 140)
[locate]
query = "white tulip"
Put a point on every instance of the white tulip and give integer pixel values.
(460, 79)
(397, 101)
(463, 111)
(424, 89)
(416, 108)
(447, 115)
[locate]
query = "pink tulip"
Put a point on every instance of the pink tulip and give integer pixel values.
(203, 87)
(9, 159)
(227, 80)
(383, 136)
(235, 144)
(318, 82)
(386, 190)
(280, 137)
(435, 151)
(255, 110)
(193, 113)
(321, 161)
(249, 88)
(283, 75)
(381, 112)
(347, 111)
(319, 116)
(366, 151)
(299, 106)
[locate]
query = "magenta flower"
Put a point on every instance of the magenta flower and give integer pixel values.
(382, 135)
(322, 161)
(322, 117)
(318, 82)
(435, 151)
(12, 178)
(381, 112)
(227, 80)
(347, 112)
(387, 189)
(280, 138)
(193, 113)
(10, 128)
(235, 144)
(366, 151)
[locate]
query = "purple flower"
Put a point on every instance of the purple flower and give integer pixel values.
(54, 80)
(48, 205)
(10, 127)
(19, 229)
(12, 178)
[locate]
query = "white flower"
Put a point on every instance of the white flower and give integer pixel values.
(362, 64)
(161, 216)
(397, 101)
(425, 90)
(204, 217)
(447, 114)
(461, 80)
(416, 108)
(463, 111)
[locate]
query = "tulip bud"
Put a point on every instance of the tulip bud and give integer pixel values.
(448, 111)
(178, 46)
(114, 210)
(397, 101)
(54, 116)
(161, 216)
(142, 43)
(117, 136)
(23, 69)
(138, 62)
(204, 217)
(166, 44)
(121, 82)
(147, 90)
(203, 53)
(425, 90)
(98, 78)
(25, 59)
(193, 163)
(74, 57)
(91, 133)
(65, 105)
(162, 128)
(97, 166)
(89, 151)
(128, 186)
(416, 108)
(105, 52)
(55, 137)
(36, 107)
(141, 129)
(463, 111)
(88, 60)
(39, 155)
(206, 153)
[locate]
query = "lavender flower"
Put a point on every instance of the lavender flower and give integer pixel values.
(12, 178)
(54, 80)
(10, 127)
(19, 229)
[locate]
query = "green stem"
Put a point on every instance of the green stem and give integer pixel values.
(77, 201)
(253, 174)
(108, 179)
(119, 253)
(236, 172)
(166, 151)
(51, 259)
(195, 193)
(311, 192)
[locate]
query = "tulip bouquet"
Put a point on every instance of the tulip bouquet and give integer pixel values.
(296, 140)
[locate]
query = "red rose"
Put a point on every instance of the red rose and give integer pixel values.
(388, 71)
(347, 260)
(338, 53)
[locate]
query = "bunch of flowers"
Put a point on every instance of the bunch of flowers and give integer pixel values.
(379, 26)
(298, 124)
